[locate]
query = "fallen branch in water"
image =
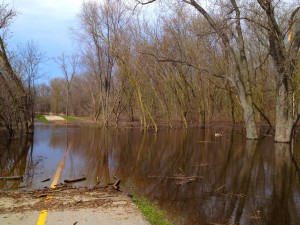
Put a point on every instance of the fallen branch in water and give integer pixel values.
(177, 177)
(234, 194)
(75, 180)
(185, 181)
(45, 180)
(218, 189)
(24, 186)
(98, 181)
(208, 141)
(116, 185)
(181, 178)
(16, 178)
(202, 164)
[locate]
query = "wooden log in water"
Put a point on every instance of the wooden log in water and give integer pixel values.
(177, 177)
(45, 180)
(14, 178)
(75, 180)
(185, 181)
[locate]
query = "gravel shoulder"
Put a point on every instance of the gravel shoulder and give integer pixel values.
(79, 206)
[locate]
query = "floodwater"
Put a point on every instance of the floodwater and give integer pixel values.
(195, 177)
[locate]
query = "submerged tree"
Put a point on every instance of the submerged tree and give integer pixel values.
(227, 61)
(27, 64)
(16, 106)
(237, 70)
(284, 43)
(229, 21)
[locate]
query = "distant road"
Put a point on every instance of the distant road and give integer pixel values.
(54, 118)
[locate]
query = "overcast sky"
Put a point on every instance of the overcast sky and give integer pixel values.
(46, 22)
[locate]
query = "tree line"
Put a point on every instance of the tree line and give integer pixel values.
(183, 63)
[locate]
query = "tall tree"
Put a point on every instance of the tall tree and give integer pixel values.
(28, 65)
(17, 96)
(69, 66)
(238, 69)
(100, 26)
(284, 43)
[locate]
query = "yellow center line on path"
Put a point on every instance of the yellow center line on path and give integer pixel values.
(42, 217)
(59, 169)
(43, 213)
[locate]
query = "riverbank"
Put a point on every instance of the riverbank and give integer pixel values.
(68, 205)
(74, 120)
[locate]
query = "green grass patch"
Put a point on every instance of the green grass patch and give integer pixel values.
(41, 118)
(151, 211)
(69, 118)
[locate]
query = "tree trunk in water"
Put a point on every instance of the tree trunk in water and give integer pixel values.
(285, 55)
(184, 119)
(29, 125)
(251, 132)
(232, 107)
(28, 114)
(284, 117)
(249, 118)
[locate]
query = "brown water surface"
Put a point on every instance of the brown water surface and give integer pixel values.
(196, 177)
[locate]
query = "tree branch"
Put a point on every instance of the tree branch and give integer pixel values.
(162, 59)
(145, 3)
(293, 47)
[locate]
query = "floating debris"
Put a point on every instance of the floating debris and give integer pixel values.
(45, 180)
(15, 178)
(181, 178)
(75, 180)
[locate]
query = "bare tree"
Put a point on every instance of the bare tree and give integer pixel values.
(57, 95)
(235, 54)
(11, 81)
(27, 64)
(69, 66)
(284, 46)
(100, 26)
(43, 98)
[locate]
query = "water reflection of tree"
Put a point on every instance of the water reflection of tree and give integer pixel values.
(171, 151)
(245, 182)
(244, 167)
(284, 205)
(88, 154)
(16, 160)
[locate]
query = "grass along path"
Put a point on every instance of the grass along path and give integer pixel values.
(69, 118)
(151, 211)
(41, 118)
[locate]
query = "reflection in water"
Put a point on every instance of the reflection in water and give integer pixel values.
(16, 160)
(244, 182)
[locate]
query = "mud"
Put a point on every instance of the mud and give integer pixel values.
(62, 199)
